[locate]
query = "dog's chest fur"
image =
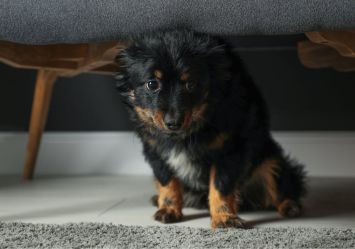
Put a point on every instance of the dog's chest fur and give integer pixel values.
(186, 167)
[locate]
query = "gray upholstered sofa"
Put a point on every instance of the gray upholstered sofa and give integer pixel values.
(54, 21)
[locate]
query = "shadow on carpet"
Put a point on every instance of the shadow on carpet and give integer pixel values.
(96, 235)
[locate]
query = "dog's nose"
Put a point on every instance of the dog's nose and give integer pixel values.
(173, 122)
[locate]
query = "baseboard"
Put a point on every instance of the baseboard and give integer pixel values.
(330, 154)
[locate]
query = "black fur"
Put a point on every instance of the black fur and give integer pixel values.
(234, 107)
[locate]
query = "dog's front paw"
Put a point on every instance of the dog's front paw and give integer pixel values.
(228, 221)
(168, 215)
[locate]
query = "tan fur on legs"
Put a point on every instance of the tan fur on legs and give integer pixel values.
(223, 208)
(169, 202)
(267, 172)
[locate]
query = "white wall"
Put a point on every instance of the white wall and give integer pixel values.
(324, 153)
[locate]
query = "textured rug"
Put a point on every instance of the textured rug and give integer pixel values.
(94, 235)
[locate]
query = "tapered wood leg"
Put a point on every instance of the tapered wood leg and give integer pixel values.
(41, 101)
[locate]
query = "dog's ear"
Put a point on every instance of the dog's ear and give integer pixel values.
(219, 62)
(123, 85)
(125, 88)
(136, 51)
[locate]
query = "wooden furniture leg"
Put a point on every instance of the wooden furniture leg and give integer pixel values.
(51, 61)
(334, 49)
(41, 101)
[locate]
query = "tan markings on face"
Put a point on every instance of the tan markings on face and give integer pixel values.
(151, 118)
(184, 76)
(158, 74)
(266, 172)
(222, 207)
(187, 120)
(197, 112)
(218, 141)
(144, 114)
(158, 119)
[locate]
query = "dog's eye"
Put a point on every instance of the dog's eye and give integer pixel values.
(152, 85)
(190, 86)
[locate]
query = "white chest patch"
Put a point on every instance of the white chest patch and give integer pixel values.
(185, 169)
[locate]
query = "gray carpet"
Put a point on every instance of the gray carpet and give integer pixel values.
(53, 21)
(94, 235)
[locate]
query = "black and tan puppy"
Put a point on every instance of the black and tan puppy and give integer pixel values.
(205, 129)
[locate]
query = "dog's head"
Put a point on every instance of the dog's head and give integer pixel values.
(171, 79)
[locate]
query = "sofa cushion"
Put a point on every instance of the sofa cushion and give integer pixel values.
(57, 21)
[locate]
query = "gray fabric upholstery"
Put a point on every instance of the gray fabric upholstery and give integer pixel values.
(51, 21)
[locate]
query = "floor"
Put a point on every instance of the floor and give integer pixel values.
(125, 200)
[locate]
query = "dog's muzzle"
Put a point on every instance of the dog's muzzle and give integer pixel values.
(173, 121)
